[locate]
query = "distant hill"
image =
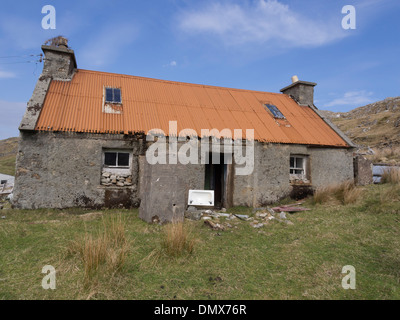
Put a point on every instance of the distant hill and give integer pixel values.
(375, 128)
(8, 154)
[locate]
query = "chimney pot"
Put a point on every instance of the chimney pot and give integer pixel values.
(63, 42)
(295, 79)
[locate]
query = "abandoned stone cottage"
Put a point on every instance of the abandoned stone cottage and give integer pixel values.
(83, 141)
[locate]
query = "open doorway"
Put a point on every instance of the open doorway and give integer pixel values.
(218, 178)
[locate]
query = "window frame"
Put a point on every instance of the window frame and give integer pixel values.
(117, 169)
(117, 152)
(274, 111)
(113, 95)
(304, 175)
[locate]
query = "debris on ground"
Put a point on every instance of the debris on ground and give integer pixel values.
(214, 226)
(193, 215)
(294, 207)
(218, 220)
(290, 209)
(242, 216)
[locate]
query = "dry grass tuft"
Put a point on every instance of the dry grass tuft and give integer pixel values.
(106, 250)
(343, 193)
(390, 195)
(177, 239)
(391, 175)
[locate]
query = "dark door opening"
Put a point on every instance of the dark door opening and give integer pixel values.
(215, 179)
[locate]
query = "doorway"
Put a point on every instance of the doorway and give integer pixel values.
(218, 178)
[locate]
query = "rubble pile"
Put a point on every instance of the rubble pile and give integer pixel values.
(260, 217)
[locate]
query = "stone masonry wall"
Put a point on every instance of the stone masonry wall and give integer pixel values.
(117, 180)
(269, 181)
(61, 170)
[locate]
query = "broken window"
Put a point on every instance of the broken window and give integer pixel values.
(116, 159)
(113, 95)
(298, 169)
(275, 111)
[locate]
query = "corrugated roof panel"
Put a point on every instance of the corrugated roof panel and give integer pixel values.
(147, 104)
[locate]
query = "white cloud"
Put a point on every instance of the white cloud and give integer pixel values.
(107, 45)
(7, 74)
(263, 21)
(173, 63)
(352, 98)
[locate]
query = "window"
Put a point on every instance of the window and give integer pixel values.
(299, 169)
(297, 165)
(3, 181)
(116, 159)
(275, 111)
(113, 95)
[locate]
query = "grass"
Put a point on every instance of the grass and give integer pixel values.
(7, 165)
(177, 239)
(344, 193)
(278, 261)
(391, 175)
(385, 155)
(8, 154)
(104, 253)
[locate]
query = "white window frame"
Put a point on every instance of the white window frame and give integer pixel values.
(118, 169)
(298, 176)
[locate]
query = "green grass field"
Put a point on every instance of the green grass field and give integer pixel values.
(7, 165)
(277, 261)
(8, 154)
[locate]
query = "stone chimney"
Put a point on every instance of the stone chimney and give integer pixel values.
(59, 60)
(59, 64)
(301, 91)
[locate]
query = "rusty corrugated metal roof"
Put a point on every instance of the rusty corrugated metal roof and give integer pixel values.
(147, 104)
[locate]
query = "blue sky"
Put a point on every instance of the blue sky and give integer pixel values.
(248, 44)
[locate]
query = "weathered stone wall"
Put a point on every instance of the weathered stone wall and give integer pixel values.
(164, 188)
(362, 170)
(61, 170)
(330, 165)
(270, 179)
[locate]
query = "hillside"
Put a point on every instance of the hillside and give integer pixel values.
(375, 128)
(8, 153)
